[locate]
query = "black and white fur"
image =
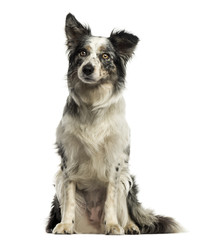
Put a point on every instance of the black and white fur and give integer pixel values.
(95, 192)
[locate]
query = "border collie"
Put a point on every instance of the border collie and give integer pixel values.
(95, 192)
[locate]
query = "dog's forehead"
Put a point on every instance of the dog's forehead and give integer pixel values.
(98, 44)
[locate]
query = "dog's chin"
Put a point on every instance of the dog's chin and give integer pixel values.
(89, 80)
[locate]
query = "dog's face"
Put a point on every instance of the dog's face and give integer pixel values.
(94, 61)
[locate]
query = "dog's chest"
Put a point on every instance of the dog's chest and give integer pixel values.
(85, 147)
(93, 136)
(90, 136)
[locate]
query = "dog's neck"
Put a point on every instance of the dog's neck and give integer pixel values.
(88, 113)
(94, 97)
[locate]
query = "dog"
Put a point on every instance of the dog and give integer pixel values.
(95, 192)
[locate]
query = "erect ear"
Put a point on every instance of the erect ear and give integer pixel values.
(124, 43)
(74, 31)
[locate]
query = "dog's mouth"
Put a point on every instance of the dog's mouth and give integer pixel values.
(88, 80)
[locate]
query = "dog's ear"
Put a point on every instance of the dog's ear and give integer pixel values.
(124, 43)
(74, 31)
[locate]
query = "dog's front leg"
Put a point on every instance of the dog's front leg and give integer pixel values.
(66, 226)
(111, 222)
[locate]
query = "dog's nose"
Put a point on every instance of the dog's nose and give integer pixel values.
(88, 69)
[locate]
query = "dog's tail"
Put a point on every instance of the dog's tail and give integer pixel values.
(55, 215)
(146, 220)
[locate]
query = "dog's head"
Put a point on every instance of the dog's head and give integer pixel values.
(97, 60)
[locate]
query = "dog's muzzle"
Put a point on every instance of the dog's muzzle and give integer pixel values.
(89, 73)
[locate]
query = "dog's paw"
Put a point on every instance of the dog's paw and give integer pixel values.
(114, 229)
(63, 228)
(131, 228)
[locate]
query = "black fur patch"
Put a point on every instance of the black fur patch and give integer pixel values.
(54, 216)
(75, 31)
(71, 108)
(121, 73)
(162, 225)
(124, 43)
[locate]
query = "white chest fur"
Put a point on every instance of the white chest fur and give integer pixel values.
(92, 147)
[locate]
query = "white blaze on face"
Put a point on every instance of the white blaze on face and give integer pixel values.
(93, 46)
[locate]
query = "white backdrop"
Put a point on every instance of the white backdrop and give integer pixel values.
(170, 107)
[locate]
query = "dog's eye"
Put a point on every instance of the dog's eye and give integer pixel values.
(105, 56)
(83, 53)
